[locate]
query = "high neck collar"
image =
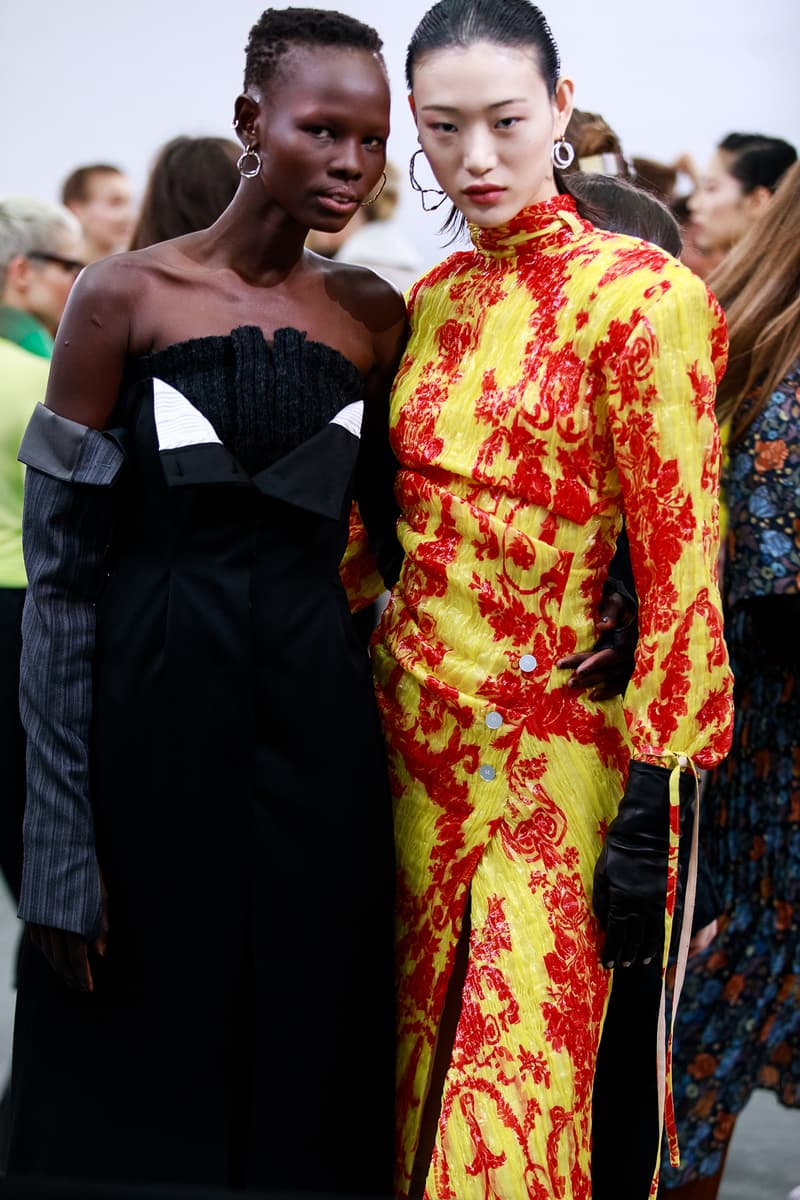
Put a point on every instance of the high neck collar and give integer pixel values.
(532, 229)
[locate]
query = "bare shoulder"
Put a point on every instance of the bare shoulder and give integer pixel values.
(117, 280)
(93, 340)
(369, 297)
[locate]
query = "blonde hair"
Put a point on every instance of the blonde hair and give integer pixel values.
(758, 285)
(30, 226)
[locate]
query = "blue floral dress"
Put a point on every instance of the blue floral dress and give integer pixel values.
(738, 1022)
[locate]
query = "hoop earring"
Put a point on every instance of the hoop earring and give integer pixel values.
(372, 199)
(417, 186)
(563, 153)
(247, 172)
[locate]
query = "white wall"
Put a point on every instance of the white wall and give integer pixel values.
(84, 80)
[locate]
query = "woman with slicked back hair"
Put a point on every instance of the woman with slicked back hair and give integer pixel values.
(558, 377)
(736, 188)
(205, 994)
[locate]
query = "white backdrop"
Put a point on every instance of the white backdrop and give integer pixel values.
(88, 80)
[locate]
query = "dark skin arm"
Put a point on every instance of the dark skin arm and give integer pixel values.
(92, 345)
(607, 667)
(68, 952)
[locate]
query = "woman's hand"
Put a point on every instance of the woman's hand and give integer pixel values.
(68, 952)
(608, 666)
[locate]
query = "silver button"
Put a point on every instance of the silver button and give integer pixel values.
(494, 720)
(486, 772)
(528, 663)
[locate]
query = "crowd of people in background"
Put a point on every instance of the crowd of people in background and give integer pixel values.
(735, 223)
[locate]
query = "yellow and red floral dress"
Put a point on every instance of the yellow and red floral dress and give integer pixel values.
(556, 377)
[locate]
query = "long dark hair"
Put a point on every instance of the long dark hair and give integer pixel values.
(191, 182)
(516, 23)
(622, 207)
(756, 160)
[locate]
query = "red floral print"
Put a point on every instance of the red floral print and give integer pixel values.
(557, 380)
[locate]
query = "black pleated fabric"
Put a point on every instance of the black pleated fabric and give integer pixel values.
(262, 397)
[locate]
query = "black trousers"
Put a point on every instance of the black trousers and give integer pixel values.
(625, 1105)
(12, 738)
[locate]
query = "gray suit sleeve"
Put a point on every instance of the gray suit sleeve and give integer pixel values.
(67, 524)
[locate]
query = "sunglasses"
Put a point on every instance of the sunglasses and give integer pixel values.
(69, 264)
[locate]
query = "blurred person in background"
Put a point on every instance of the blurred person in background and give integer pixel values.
(660, 179)
(191, 181)
(41, 253)
(669, 182)
(735, 188)
(374, 239)
(598, 149)
(738, 1025)
(101, 197)
(605, 177)
(697, 259)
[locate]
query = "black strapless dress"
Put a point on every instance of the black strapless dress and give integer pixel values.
(241, 1032)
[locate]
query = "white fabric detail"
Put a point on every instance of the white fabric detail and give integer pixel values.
(178, 423)
(350, 418)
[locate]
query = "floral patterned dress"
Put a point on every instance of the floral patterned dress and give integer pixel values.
(556, 377)
(739, 1018)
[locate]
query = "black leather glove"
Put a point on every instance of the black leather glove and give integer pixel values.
(630, 879)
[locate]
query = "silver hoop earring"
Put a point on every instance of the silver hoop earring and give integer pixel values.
(249, 172)
(563, 153)
(372, 199)
(417, 186)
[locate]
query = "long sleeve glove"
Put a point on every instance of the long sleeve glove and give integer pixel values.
(67, 523)
(630, 880)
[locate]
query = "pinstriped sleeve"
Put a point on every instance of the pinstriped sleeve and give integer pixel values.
(67, 523)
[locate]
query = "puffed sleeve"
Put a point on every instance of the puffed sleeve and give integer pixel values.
(667, 456)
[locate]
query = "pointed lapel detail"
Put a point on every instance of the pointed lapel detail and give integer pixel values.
(318, 474)
(315, 476)
(190, 448)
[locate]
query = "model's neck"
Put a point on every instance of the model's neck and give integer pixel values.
(255, 238)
